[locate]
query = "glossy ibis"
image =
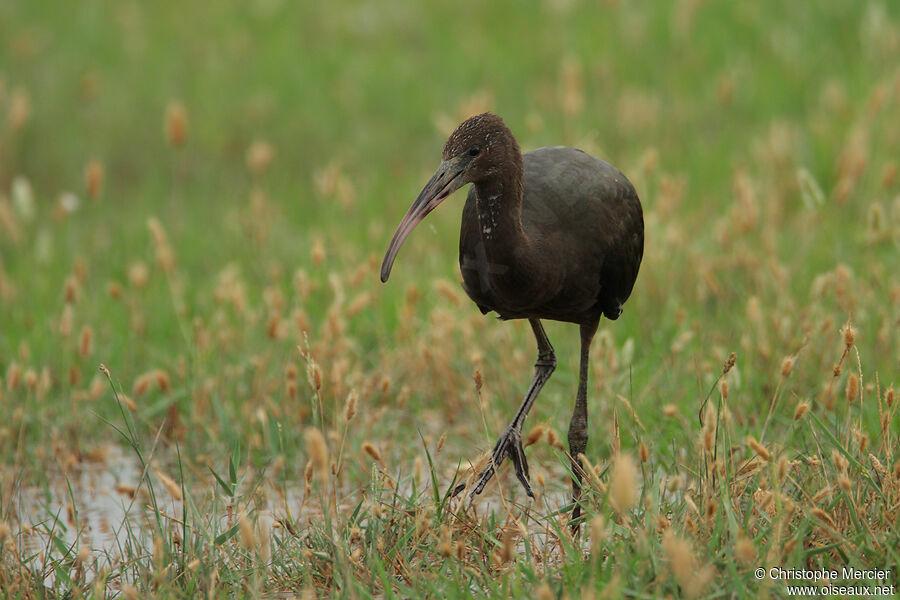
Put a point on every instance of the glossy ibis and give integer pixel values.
(552, 234)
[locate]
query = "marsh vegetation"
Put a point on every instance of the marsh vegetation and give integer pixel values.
(196, 196)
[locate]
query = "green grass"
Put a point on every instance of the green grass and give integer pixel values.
(762, 139)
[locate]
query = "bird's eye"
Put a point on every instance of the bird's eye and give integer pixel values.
(474, 151)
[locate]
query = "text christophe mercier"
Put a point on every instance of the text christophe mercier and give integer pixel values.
(845, 574)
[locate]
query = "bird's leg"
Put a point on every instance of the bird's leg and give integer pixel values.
(578, 434)
(510, 442)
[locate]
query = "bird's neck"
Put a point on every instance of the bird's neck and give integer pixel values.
(499, 204)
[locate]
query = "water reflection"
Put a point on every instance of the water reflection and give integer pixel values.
(89, 506)
(103, 512)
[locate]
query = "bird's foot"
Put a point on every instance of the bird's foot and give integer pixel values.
(575, 521)
(577, 473)
(508, 445)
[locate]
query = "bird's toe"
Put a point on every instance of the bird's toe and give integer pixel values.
(517, 455)
(483, 480)
(458, 490)
(508, 445)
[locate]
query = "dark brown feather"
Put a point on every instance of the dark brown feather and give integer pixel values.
(567, 249)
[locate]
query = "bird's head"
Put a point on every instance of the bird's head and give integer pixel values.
(474, 152)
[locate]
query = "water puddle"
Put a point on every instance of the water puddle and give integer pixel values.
(101, 511)
(90, 507)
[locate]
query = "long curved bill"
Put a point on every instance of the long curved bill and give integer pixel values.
(447, 179)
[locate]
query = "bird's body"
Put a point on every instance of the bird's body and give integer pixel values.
(555, 234)
(580, 247)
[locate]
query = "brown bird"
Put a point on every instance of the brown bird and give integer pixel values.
(552, 234)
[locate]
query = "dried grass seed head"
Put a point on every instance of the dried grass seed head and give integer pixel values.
(86, 341)
(849, 334)
(852, 388)
(787, 365)
(598, 534)
(745, 551)
(170, 484)
(176, 124)
(623, 483)
(94, 175)
(259, 156)
(317, 448)
(822, 516)
(729, 363)
(247, 534)
(759, 449)
(534, 435)
(372, 451)
(680, 556)
(350, 406)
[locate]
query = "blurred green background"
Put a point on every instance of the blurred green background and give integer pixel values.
(759, 135)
